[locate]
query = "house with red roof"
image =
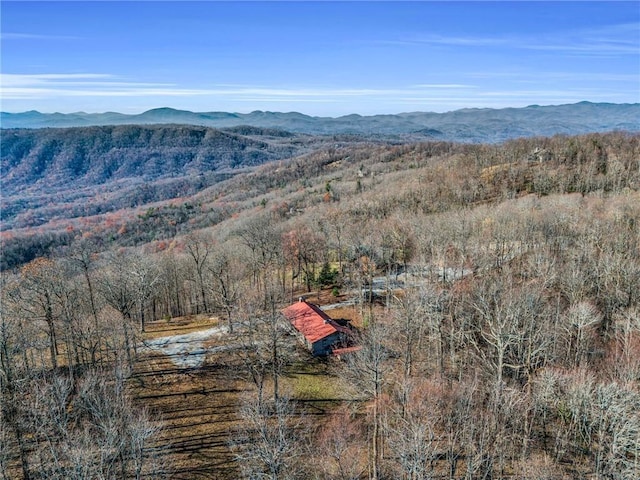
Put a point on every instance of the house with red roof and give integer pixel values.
(319, 332)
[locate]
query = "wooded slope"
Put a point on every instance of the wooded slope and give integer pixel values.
(494, 288)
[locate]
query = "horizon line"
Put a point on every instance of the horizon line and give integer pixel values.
(309, 115)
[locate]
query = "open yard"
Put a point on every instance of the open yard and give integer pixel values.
(196, 400)
(187, 377)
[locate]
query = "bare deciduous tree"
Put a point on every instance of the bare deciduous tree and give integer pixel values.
(342, 451)
(412, 431)
(367, 369)
(580, 319)
(509, 326)
(198, 248)
(268, 444)
(35, 297)
(226, 282)
(263, 239)
(89, 430)
(262, 335)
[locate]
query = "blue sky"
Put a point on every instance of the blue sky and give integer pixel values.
(319, 58)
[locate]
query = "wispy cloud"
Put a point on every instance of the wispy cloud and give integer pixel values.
(48, 85)
(444, 85)
(23, 86)
(27, 80)
(535, 76)
(34, 36)
(607, 41)
(611, 40)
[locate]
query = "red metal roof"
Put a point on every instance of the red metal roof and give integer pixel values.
(312, 322)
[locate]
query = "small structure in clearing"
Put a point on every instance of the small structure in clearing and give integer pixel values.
(319, 332)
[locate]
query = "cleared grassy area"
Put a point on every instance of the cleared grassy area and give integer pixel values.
(312, 386)
(179, 326)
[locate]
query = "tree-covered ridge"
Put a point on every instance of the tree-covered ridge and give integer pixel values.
(79, 172)
(95, 155)
(367, 179)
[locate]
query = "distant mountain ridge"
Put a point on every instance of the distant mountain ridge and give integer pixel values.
(467, 125)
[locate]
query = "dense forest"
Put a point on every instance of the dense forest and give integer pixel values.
(94, 155)
(493, 290)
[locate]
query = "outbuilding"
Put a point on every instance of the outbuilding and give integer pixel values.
(319, 332)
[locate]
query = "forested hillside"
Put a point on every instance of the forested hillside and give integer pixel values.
(65, 173)
(95, 155)
(493, 290)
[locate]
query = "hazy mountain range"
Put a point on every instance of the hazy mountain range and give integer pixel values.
(467, 125)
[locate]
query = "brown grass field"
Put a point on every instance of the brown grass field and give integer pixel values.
(197, 406)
